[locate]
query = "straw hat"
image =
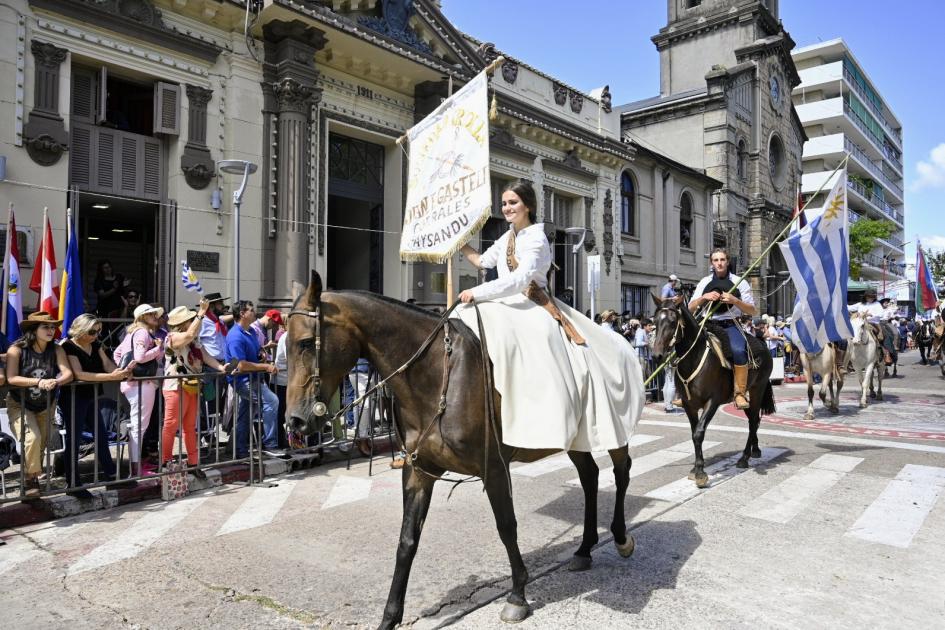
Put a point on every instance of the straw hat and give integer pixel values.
(180, 315)
(37, 318)
(608, 314)
(145, 309)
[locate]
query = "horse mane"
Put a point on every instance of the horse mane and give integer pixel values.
(383, 298)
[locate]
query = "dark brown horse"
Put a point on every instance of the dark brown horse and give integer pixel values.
(329, 332)
(704, 385)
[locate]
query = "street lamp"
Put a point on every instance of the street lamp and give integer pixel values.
(244, 168)
(582, 233)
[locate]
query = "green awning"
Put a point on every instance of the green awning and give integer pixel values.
(857, 285)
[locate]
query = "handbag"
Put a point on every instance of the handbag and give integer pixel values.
(190, 385)
(174, 481)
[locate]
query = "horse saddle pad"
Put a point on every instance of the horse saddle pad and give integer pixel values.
(720, 350)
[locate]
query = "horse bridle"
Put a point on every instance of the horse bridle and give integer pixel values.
(320, 407)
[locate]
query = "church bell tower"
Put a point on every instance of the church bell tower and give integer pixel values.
(702, 34)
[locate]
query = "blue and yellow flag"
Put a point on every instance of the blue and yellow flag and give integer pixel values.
(71, 302)
(189, 278)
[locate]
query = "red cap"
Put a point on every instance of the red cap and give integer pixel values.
(275, 316)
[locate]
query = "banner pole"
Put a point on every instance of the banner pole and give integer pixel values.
(450, 287)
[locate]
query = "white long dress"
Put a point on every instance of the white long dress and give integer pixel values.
(555, 394)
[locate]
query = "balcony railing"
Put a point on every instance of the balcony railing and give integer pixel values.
(876, 109)
(875, 201)
(874, 168)
(863, 126)
(878, 262)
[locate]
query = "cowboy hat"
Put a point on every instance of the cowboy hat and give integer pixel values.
(145, 309)
(215, 297)
(37, 318)
(180, 315)
(608, 314)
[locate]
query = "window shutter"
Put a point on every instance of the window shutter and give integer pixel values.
(166, 108)
(80, 155)
(105, 160)
(129, 165)
(83, 95)
(101, 103)
(152, 169)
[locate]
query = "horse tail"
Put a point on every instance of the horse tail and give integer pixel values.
(767, 402)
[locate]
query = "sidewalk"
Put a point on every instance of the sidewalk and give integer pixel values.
(23, 513)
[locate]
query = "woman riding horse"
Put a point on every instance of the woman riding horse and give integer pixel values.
(438, 372)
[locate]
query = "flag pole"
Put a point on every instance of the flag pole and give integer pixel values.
(6, 273)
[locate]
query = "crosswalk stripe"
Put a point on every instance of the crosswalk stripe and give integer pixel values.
(259, 508)
(141, 535)
(650, 462)
(896, 516)
(783, 502)
(32, 544)
(348, 490)
(684, 489)
(561, 460)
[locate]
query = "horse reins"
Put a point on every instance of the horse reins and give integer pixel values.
(320, 408)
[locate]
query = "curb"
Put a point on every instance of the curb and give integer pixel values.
(103, 498)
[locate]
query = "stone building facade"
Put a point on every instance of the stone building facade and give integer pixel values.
(726, 77)
(123, 108)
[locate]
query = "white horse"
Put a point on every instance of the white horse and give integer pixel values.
(831, 378)
(866, 357)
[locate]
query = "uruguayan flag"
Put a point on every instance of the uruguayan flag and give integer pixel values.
(189, 278)
(820, 267)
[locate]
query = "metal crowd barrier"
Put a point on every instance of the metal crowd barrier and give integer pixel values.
(373, 420)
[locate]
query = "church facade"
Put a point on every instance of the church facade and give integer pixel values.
(726, 76)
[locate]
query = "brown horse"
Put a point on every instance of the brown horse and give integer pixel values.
(440, 416)
(704, 384)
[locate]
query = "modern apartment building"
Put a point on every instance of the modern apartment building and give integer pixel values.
(843, 112)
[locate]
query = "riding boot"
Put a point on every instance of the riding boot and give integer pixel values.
(741, 386)
(840, 360)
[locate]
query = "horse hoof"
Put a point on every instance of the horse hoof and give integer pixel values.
(808, 417)
(742, 462)
(862, 405)
(879, 396)
(702, 480)
(579, 563)
(514, 613)
(626, 550)
(755, 452)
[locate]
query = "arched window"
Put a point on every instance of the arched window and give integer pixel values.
(741, 161)
(685, 221)
(628, 217)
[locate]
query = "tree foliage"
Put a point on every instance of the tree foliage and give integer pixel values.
(936, 265)
(863, 235)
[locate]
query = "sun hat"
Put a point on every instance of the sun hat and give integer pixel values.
(673, 277)
(145, 309)
(180, 315)
(608, 314)
(37, 318)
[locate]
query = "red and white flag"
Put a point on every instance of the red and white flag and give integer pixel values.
(44, 280)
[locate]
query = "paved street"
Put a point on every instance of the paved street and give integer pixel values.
(839, 524)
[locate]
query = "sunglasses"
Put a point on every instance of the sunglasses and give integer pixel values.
(96, 332)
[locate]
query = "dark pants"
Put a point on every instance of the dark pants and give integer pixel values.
(280, 394)
(84, 421)
(736, 340)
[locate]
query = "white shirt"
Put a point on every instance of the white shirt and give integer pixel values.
(744, 290)
(891, 312)
(534, 260)
(282, 365)
(872, 310)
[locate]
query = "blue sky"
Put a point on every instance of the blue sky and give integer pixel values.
(590, 43)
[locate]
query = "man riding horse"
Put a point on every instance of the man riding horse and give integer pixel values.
(875, 314)
(732, 298)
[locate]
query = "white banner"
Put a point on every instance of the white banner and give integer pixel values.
(448, 192)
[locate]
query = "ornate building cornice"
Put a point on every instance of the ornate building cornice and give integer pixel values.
(139, 19)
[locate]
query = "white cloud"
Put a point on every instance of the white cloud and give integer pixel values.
(933, 243)
(931, 173)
